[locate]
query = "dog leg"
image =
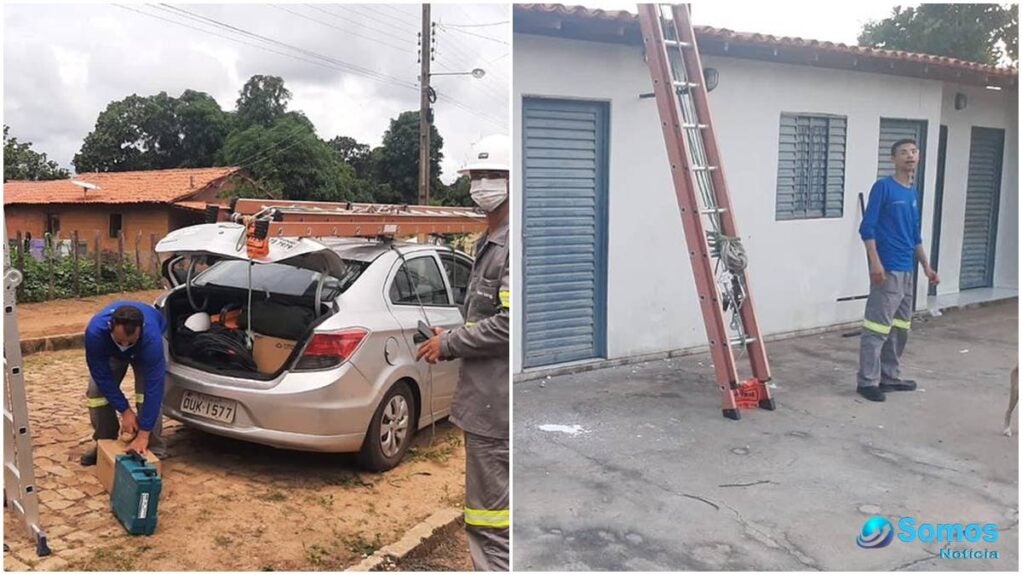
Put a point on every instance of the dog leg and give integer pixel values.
(1012, 401)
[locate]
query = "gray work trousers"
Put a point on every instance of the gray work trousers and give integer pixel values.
(885, 329)
(103, 416)
(487, 513)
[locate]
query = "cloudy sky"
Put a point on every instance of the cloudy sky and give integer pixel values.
(830, 21)
(350, 67)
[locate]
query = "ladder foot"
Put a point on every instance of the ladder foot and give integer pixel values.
(732, 414)
(767, 404)
(41, 548)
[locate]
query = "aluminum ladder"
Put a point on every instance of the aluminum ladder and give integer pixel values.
(20, 494)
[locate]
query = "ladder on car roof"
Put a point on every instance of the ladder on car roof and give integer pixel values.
(715, 251)
(20, 493)
(286, 218)
(268, 219)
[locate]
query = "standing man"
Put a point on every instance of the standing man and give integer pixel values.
(124, 333)
(890, 230)
(481, 407)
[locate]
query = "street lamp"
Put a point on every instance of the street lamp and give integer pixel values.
(426, 117)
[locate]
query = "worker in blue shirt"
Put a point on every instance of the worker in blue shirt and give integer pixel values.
(126, 333)
(894, 246)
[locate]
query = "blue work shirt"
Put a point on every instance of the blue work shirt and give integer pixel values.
(892, 219)
(146, 355)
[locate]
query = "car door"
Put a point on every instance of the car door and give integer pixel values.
(419, 290)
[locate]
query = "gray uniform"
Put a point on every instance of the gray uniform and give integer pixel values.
(885, 329)
(481, 406)
(104, 420)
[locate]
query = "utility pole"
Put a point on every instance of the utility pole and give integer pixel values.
(425, 114)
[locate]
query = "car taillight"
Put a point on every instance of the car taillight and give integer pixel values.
(330, 349)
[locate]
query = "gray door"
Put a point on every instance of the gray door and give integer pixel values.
(564, 156)
(982, 196)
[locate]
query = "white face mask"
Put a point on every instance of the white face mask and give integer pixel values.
(489, 193)
(119, 346)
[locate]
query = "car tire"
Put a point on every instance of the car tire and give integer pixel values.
(390, 431)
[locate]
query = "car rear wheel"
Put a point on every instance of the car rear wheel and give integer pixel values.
(390, 431)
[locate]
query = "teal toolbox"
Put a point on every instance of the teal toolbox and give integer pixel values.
(136, 493)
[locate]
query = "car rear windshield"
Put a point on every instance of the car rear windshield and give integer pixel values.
(280, 278)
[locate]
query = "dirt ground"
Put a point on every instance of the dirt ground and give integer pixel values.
(226, 505)
(65, 316)
(450, 553)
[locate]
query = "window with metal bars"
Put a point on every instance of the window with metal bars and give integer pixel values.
(811, 166)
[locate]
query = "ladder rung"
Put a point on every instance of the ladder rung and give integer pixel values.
(740, 341)
(703, 168)
(677, 43)
(685, 84)
(695, 126)
(713, 211)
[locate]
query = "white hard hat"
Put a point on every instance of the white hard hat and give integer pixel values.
(198, 322)
(490, 153)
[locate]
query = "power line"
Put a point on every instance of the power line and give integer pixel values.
(350, 67)
(373, 10)
(327, 24)
(483, 36)
(479, 25)
(333, 14)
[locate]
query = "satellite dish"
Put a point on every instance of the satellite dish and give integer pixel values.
(85, 185)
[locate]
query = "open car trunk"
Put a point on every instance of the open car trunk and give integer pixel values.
(278, 292)
(281, 325)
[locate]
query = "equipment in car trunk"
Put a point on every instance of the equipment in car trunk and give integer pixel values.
(136, 494)
(270, 353)
(224, 348)
(280, 319)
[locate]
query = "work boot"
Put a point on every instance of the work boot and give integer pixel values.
(88, 459)
(872, 393)
(898, 385)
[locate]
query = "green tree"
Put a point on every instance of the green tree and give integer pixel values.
(291, 162)
(21, 162)
(396, 162)
(262, 101)
(155, 132)
(358, 156)
(983, 33)
(456, 194)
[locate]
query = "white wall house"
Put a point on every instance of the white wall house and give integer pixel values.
(604, 270)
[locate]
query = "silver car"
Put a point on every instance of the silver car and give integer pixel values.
(331, 324)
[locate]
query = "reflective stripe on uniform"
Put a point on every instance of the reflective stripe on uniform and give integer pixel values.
(94, 402)
(139, 397)
(902, 324)
(876, 327)
(499, 519)
(505, 299)
(469, 323)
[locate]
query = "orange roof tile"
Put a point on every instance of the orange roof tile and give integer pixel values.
(153, 186)
(725, 36)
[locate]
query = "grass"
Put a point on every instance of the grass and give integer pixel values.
(439, 452)
(363, 547)
(317, 555)
(275, 496)
(347, 479)
(110, 559)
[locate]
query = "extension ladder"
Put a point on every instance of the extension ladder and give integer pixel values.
(285, 218)
(20, 494)
(715, 251)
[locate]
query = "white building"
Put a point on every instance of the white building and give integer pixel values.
(608, 277)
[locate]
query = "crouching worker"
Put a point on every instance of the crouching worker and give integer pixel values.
(126, 333)
(481, 405)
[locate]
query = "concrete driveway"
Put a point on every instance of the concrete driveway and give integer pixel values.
(656, 479)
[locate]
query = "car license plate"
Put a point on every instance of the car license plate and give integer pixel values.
(209, 407)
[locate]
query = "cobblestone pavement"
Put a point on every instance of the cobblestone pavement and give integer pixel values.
(225, 505)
